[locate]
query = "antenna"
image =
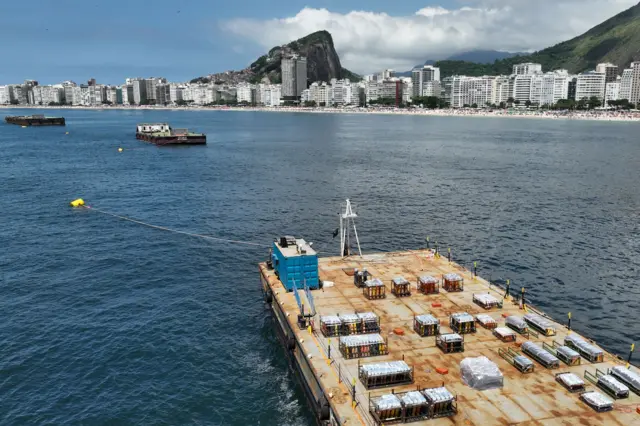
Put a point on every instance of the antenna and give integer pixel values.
(345, 235)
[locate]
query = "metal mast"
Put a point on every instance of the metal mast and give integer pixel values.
(345, 216)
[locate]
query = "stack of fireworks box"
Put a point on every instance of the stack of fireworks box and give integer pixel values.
(453, 282)
(363, 345)
(400, 287)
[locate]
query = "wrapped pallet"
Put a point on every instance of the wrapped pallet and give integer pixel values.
(613, 386)
(426, 325)
(480, 373)
(462, 323)
(541, 324)
(486, 321)
(453, 282)
(587, 350)
(330, 325)
(400, 287)
(505, 334)
(571, 381)
(415, 405)
(597, 401)
(385, 374)
(628, 377)
(539, 354)
(362, 345)
(487, 301)
(374, 289)
(441, 402)
(428, 285)
(516, 323)
(386, 408)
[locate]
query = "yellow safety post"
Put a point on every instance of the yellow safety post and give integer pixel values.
(633, 347)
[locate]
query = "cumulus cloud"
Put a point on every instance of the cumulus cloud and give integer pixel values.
(368, 41)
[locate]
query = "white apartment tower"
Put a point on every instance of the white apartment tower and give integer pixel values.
(590, 84)
(610, 71)
(527, 68)
(625, 84)
(634, 98)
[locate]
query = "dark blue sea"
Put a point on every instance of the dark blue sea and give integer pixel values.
(108, 322)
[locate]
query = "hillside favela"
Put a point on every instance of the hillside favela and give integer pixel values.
(415, 213)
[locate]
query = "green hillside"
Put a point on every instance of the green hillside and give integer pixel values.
(617, 40)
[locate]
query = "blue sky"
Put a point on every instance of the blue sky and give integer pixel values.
(51, 41)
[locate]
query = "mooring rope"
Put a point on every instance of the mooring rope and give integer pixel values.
(176, 231)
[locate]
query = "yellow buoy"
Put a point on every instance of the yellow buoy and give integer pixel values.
(77, 203)
(24, 127)
(66, 133)
(120, 150)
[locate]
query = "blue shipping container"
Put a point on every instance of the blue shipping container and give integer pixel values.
(291, 264)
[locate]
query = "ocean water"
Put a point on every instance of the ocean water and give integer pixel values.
(109, 322)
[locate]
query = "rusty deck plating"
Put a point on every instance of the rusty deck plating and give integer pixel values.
(527, 399)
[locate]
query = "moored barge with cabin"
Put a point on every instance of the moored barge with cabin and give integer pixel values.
(164, 134)
(315, 301)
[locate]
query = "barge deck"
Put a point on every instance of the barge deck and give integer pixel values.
(329, 379)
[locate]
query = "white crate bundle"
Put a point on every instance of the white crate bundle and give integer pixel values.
(435, 395)
(481, 373)
(387, 402)
(583, 345)
(413, 398)
(361, 340)
(385, 368)
(427, 319)
(485, 320)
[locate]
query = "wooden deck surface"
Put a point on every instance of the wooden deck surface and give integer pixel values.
(526, 399)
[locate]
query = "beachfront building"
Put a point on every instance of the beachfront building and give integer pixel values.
(467, 91)
(175, 92)
(341, 91)
(294, 76)
(320, 93)
(522, 87)
(139, 90)
(500, 89)
(5, 95)
(45, 95)
(609, 70)
(612, 92)
(634, 97)
(422, 78)
(245, 93)
(625, 84)
(527, 68)
(590, 84)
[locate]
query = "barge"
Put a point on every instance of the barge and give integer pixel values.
(300, 294)
(163, 134)
(34, 120)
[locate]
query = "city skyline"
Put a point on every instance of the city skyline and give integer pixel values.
(110, 42)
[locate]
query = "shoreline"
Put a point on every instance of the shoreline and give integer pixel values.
(612, 116)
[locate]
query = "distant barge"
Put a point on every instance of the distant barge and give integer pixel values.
(163, 134)
(34, 120)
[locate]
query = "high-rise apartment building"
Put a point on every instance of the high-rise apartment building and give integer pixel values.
(610, 71)
(625, 84)
(139, 91)
(294, 76)
(634, 98)
(421, 76)
(590, 84)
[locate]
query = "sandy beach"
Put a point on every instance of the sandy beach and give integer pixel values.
(596, 115)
